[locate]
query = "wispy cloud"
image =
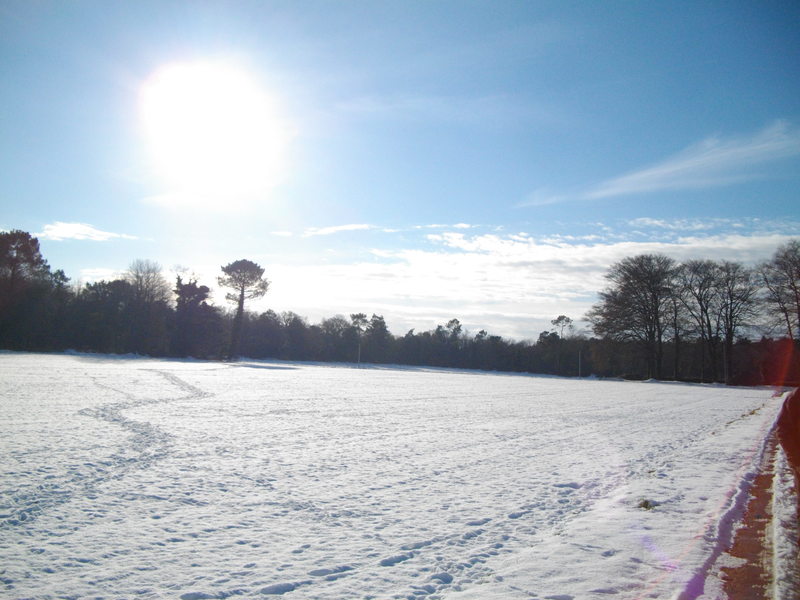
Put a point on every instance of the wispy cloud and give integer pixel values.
(655, 229)
(680, 224)
(332, 230)
(443, 226)
(312, 231)
(60, 231)
(714, 162)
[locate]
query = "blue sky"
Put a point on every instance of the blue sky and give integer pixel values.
(422, 160)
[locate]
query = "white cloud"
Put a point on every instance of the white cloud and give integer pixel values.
(508, 284)
(445, 226)
(671, 228)
(680, 224)
(60, 231)
(98, 274)
(560, 239)
(312, 231)
(714, 162)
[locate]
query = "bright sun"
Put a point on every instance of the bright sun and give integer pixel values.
(214, 135)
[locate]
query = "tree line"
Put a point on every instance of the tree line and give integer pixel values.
(700, 320)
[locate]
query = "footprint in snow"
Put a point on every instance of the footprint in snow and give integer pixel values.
(572, 485)
(416, 545)
(278, 589)
(471, 534)
(328, 572)
(393, 560)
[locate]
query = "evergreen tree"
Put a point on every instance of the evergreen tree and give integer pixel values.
(198, 326)
(246, 279)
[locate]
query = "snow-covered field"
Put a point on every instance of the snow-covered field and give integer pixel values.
(129, 477)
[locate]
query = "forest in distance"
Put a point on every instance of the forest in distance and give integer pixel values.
(701, 320)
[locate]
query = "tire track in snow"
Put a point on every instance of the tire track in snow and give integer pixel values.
(146, 445)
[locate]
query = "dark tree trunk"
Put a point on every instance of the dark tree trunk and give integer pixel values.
(236, 333)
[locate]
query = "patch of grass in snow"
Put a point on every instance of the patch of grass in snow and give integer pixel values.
(647, 504)
(751, 413)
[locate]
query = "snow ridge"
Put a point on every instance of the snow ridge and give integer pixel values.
(785, 531)
(721, 533)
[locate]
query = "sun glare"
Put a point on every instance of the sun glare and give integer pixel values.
(214, 135)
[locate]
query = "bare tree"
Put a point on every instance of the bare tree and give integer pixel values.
(149, 285)
(698, 290)
(636, 306)
(151, 295)
(781, 278)
(679, 323)
(738, 289)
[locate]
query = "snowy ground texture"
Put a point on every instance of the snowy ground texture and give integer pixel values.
(126, 477)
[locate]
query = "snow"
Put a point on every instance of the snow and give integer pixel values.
(124, 477)
(785, 531)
